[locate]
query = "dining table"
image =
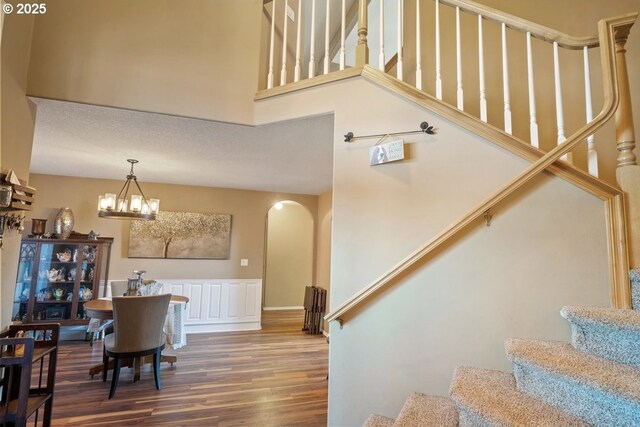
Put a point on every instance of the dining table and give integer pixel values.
(102, 308)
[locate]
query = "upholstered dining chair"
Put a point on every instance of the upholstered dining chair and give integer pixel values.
(138, 323)
(118, 288)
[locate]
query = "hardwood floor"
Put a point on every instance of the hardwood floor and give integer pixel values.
(272, 377)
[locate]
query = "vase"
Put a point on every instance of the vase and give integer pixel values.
(63, 225)
(38, 226)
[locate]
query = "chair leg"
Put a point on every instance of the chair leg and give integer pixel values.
(156, 368)
(105, 365)
(114, 377)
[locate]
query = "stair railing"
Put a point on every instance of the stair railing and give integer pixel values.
(611, 31)
(323, 42)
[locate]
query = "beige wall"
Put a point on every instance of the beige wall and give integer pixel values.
(192, 58)
(16, 135)
(510, 279)
(248, 210)
(323, 245)
(289, 264)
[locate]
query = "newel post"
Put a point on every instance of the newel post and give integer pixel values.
(628, 171)
(362, 50)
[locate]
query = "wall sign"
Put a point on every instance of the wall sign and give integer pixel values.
(387, 152)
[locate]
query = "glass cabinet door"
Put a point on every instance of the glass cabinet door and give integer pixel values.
(24, 278)
(55, 283)
(88, 277)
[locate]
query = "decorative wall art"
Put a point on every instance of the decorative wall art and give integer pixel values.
(181, 235)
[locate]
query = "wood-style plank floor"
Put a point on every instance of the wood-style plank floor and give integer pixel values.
(272, 377)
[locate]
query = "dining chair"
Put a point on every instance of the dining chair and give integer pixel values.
(138, 323)
(118, 288)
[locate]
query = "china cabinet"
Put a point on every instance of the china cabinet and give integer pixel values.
(56, 277)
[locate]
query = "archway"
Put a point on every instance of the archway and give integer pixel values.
(288, 256)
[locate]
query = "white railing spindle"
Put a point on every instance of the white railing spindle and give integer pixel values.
(283, 70)
(505, 82)
(418, 48)
(483, 90)
(343, 50)
(558, 89)
(400, 35)
(381, 58)
(312, 45)
(438, 70)
(592, 154)
(296, 69)
(271, 45)
(459, 93)
(326, 38)
(533, 123)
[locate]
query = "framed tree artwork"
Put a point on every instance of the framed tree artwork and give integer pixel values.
(184, 235)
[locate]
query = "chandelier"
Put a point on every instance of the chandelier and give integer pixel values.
(118, 207)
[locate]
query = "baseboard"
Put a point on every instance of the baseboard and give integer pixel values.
(222, 327)
(283, 308)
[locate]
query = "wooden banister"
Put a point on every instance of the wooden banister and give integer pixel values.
(615, 206)
(518, 24)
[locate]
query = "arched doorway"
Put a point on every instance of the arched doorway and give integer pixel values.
(288, 255)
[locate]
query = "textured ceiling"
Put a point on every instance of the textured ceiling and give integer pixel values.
(89, 141)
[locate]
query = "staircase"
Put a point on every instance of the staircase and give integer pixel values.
(595, 380)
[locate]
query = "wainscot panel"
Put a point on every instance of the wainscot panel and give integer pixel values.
(219, 305)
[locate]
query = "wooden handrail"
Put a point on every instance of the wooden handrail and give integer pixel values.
(518, 24)
(607, 30)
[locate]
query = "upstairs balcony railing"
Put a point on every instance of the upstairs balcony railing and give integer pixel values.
(532, 82)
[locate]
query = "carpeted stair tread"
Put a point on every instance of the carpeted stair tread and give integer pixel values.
(378, 421)
(421, 410)
(623, 319)
(608, 333)
(564, 360)
(634, 277)
(490, 398)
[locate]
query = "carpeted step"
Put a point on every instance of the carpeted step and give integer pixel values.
(599, 391)
(634, 278)
(489, 398)
(420, 410)
(606, 332)
(378, 421)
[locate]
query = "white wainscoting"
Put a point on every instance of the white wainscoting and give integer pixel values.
(219, 305)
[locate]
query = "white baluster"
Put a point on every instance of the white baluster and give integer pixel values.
(326, 39)
(312, 46)
(418, 48)
(297, 68)
(343, 51)
(559, 114)
(592, 154)
(283, 70)
(381, 59)
(460, 94)
(483, 91)
(400, 44)
(271, 45)
(533, 124)
(505, 82)
(438, 70)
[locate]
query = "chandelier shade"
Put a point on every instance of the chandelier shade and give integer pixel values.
(116, 206)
